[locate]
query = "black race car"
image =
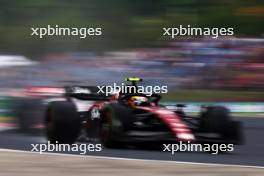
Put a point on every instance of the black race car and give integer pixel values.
(138, 118)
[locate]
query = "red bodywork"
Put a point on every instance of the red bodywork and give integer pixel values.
(175, 123)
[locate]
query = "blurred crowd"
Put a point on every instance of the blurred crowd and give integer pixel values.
(204, 63)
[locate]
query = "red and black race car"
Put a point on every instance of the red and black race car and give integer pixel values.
(136, 118)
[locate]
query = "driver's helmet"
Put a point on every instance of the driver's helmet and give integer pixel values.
(138, 100)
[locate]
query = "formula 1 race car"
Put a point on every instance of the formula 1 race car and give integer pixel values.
(30, 106)
(136, 118)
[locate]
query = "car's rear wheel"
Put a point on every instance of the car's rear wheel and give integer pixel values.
(63, 123)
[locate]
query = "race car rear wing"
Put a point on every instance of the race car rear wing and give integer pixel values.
(85, 93)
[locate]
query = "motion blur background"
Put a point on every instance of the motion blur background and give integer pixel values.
(196, 69)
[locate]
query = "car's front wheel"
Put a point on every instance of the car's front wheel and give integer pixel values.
(216, 119)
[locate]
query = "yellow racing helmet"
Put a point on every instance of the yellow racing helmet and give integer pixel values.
(138, 100)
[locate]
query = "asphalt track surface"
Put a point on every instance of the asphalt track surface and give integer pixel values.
(251, 153)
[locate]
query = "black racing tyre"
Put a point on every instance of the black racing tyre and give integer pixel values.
(112, 124)
(234, 132)
(215, 119)
(63, 122)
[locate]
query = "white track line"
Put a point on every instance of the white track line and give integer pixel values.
(131, 159)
